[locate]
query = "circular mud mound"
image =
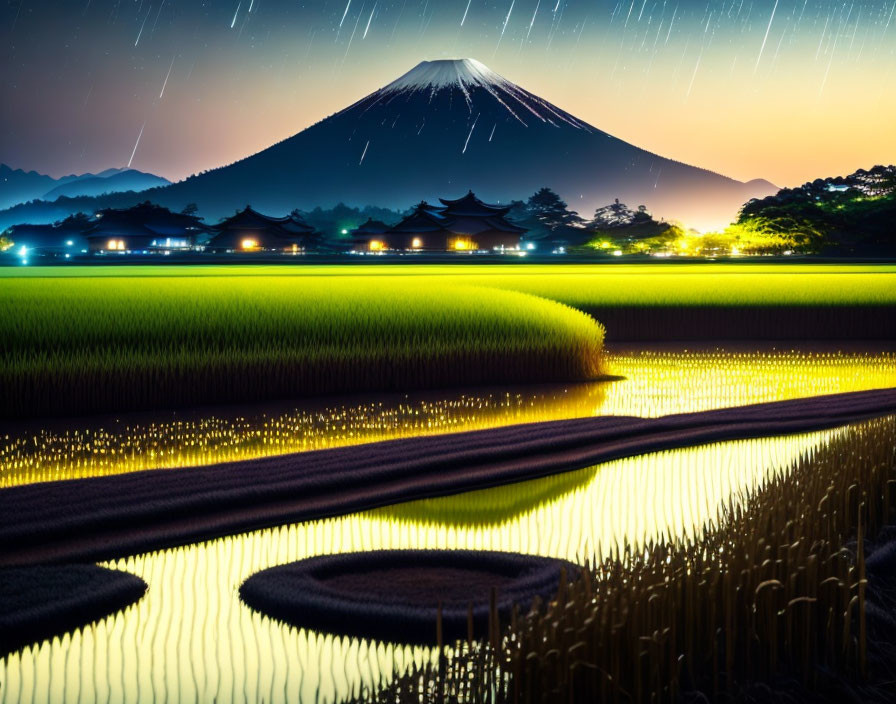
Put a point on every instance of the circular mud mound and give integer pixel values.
(393, 595)
(49, 600)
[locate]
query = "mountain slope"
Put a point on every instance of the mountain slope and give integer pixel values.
(448, 126)
(19, 186)
(116, 182)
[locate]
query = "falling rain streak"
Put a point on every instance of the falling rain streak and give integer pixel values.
(784, 54)
(473, 127)
(136, 144)
(167, 76)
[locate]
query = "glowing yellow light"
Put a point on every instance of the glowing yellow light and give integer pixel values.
(416, 243)
(376, 246)
(249, 243)
(460, 244)
(115, 245)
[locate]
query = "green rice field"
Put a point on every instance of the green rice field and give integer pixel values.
(70, 345)
(579, 285)
(90, 339)
(113, 369)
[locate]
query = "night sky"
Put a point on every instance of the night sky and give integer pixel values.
(786, 90)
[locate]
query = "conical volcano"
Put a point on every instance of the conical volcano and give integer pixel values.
(448, 126)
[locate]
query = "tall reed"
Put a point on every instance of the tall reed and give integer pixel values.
(767, 594)
(79, 345)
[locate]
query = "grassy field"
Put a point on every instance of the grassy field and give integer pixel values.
(80, 339)
(70, 345)
(579, 285)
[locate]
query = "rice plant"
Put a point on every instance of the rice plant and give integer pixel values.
(652, 386)
(79, 345)
(767, 595)
(191, 639)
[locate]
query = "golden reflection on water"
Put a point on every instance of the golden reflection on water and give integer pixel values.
(656, 383)
(190, 639)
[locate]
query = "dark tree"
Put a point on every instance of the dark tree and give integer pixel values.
(551, 211)
(618, 214)
(190, 209)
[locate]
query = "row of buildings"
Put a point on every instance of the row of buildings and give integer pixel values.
(466, 224)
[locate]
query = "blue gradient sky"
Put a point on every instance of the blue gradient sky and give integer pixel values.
(781, 89)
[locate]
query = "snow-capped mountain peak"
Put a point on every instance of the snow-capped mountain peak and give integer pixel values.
(445, 73)
(469, 76)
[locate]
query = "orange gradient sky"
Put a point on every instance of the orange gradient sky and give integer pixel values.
(787, 90)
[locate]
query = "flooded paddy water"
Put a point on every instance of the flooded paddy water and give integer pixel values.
(191, 639)
(654, 382)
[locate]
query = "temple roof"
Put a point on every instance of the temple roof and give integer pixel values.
(464, 216)
(477, 225)
(249, 219)
(371, 227)
(471, 205)
(421, 220)
(147, 213)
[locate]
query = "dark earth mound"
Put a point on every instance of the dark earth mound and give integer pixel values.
(44, 601)
(106, 517)
(394, 595)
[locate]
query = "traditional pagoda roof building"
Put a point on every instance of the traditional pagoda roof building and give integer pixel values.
(371, 227)
(251, 231)
(465, 224)
(470, 205)
(367, 232)
(143, 228)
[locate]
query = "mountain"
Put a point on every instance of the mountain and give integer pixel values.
(443, 128)
(118, 181)
(19, 186)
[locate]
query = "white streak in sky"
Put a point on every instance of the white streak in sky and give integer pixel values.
(354, 29)
(464, 18)
(364, 153)
(765, 39)
(890, 18)
(833, 51)
(506, 20)
(533, 19)
(167, 77)
(823, 32)
(136, 144)
(493, 132)
(694, 75)
(671, 24)
(345, 13)
(236, 13)
(251, 4)
(464, 151)
(143, 25)
(369, 19)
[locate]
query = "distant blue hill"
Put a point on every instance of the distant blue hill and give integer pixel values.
(19, 186)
